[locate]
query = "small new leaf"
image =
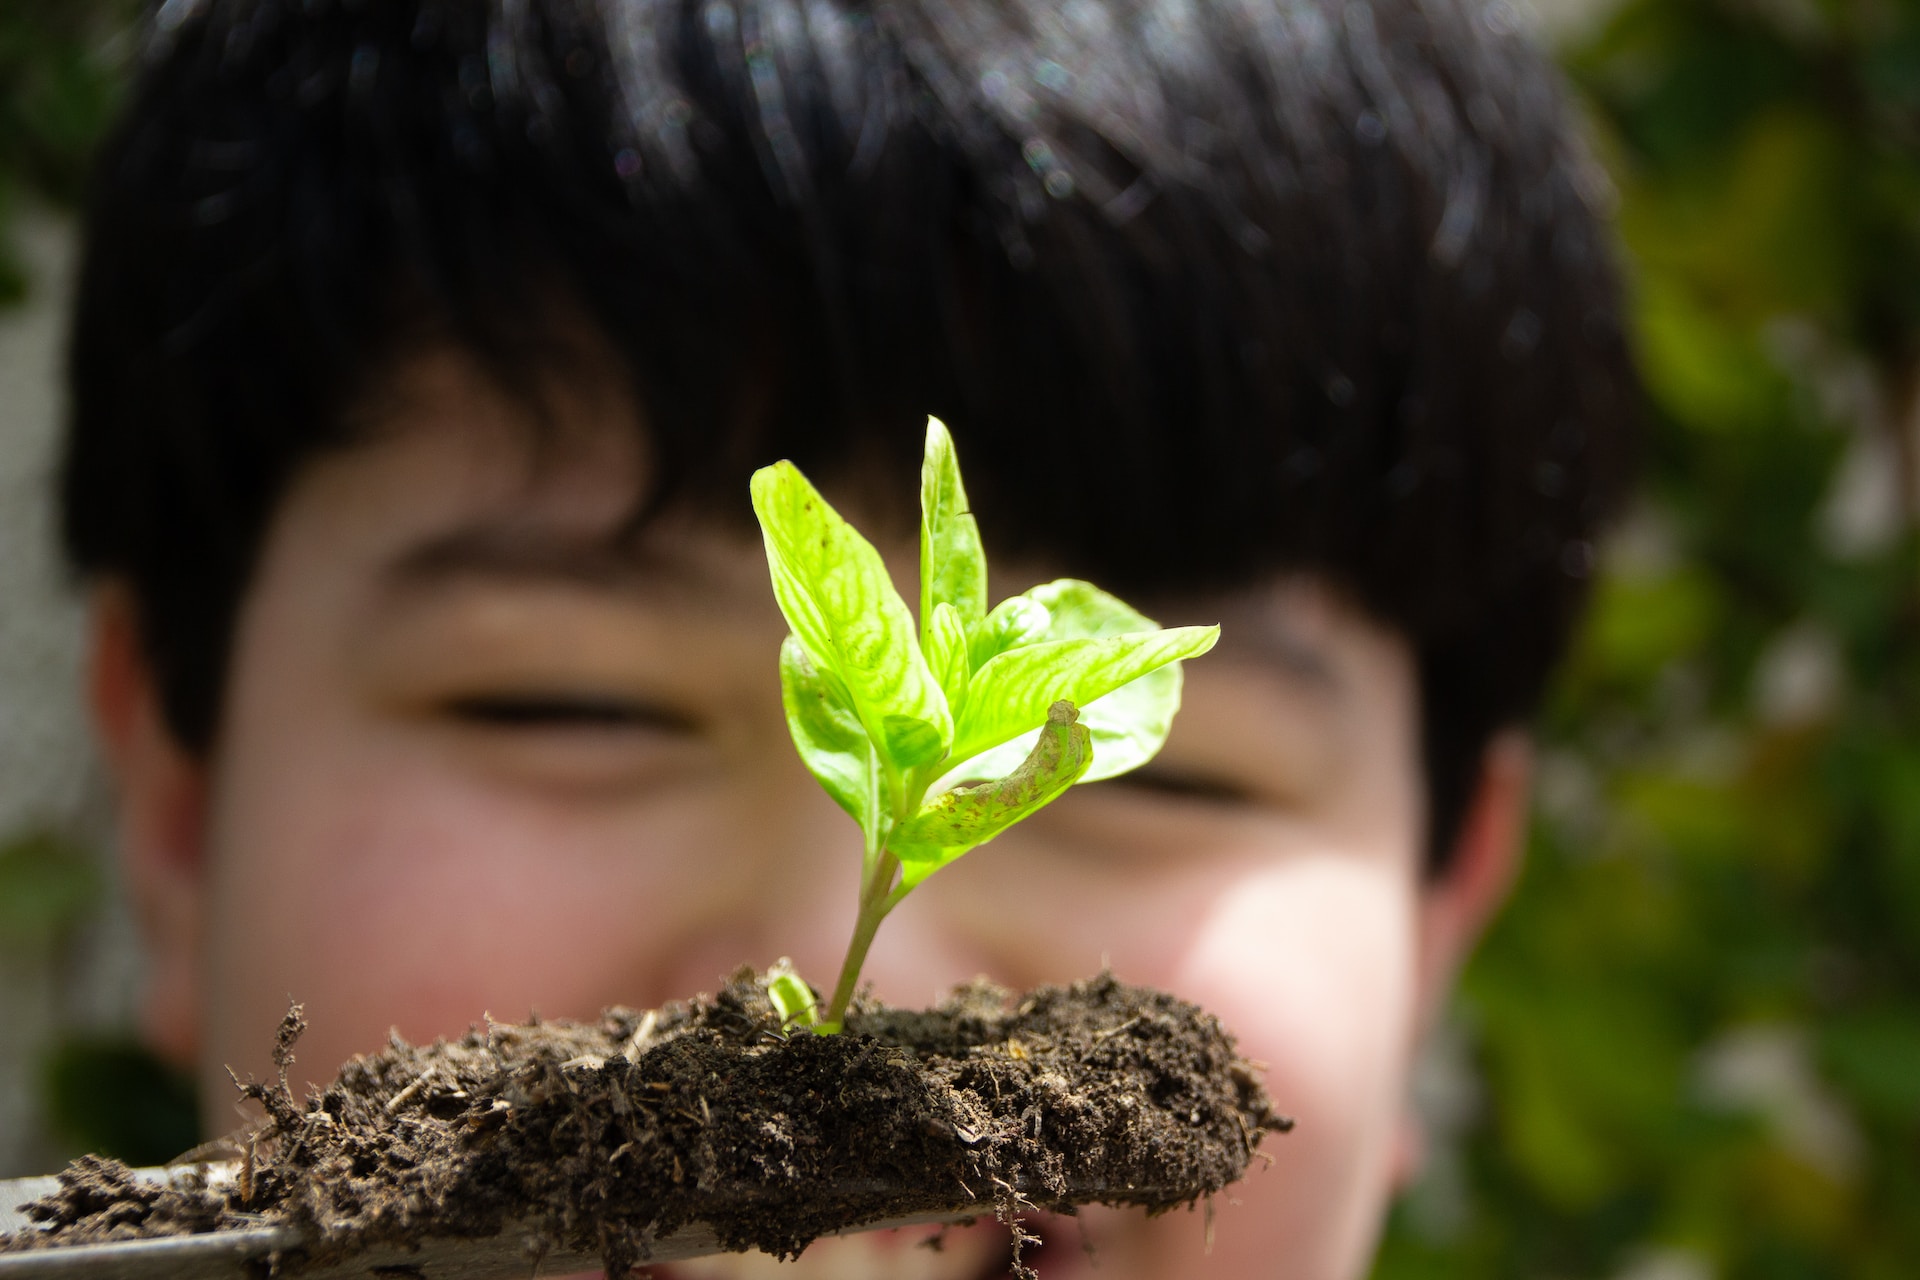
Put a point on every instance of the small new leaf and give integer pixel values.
(946, 645)
(953, 564)
(792, 998)
(1015, 621)
(911, 742)
(967, 817)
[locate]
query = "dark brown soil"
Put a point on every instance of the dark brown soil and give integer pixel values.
(605, 1137)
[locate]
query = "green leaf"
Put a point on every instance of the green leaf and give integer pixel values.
(1015, 621)
(946, 651)
(792, 998)
(911, 742)
(834, 589)
(1011, 693)
(1129, 725)
(828, 735)
(953, 564)
(1079, 608)
(968, 817)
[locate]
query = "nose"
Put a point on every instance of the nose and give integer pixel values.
(785, 882)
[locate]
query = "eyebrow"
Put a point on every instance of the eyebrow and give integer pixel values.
(517, 552)
(624, 564)
(1297, 657)
(1263, 635)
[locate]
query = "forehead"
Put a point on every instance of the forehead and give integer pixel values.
(457, 479)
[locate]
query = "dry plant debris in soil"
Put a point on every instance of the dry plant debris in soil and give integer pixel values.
(604, 1137)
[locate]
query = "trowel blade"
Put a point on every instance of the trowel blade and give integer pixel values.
(238, 1254)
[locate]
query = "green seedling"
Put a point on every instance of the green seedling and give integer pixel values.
(937, 738)
(792, 997)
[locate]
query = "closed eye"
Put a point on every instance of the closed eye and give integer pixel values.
(564, 711)
(1158, 780)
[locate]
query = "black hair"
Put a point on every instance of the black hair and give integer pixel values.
(1294, 285)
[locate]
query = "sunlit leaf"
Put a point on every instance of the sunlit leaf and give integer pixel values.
(1130, 724)
(1011, 693)
(836, 594)
(828, 735)
(953, 565)
(1015, 621)
(792, 998)
(946, 648)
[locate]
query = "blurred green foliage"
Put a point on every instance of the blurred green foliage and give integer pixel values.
(60, 74)
(1698, 1028)
(110, 1096)
(62, 65)
(98, 1093)
(48, 885)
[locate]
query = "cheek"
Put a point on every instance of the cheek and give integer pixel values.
(1306, 953)
(1311, 964)
(384, 892)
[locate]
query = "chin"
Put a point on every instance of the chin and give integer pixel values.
(981, 1250)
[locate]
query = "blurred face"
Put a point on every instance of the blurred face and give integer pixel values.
(480, 756)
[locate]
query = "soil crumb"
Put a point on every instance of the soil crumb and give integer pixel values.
(604, 1137)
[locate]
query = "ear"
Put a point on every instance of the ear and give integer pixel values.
(1457, 904)
(161, 788)
(1461, 899)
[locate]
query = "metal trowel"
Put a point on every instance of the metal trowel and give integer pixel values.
(245, 1253)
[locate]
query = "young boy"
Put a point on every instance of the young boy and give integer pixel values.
(424, 348)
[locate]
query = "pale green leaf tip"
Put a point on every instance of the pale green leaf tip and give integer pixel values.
(769, 475)
(765, 486)
(792, 998)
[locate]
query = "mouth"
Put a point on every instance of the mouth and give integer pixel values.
(982, 1250)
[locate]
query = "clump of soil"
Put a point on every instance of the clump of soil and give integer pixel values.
(605, 1137)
